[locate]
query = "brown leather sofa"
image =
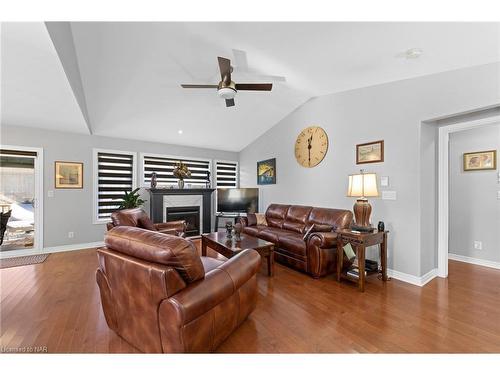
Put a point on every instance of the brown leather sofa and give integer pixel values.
(160, 296)
(287, 226)
(137, 217)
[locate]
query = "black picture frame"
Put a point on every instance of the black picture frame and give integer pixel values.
(266, 172)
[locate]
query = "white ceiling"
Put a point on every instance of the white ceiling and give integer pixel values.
(131, 72)
(34, 89)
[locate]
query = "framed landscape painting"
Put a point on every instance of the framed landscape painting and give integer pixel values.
(372, 152)
(68, 175)
(480, 160)
(266, 172)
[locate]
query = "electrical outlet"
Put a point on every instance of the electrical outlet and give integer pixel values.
(478, 245)
(71, 234)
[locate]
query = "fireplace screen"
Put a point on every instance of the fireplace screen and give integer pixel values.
(189, 213)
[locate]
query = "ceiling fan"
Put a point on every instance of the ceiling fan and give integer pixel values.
(226, 88)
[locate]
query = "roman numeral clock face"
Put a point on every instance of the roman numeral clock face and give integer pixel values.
(311, 146)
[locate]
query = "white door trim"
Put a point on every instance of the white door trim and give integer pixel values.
(443, 185)
(38, 240)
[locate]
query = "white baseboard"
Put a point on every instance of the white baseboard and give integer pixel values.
(411, 279)
(49, 250)
(476, 261)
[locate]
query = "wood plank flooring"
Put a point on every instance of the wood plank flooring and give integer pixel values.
(55, 306)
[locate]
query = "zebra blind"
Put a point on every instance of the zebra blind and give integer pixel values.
(115, 175)
(164, 167)
(226, 174)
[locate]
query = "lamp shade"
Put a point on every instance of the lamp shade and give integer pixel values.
(362, 185)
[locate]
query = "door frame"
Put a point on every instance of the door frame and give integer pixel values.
(443, 185)
(38, 239)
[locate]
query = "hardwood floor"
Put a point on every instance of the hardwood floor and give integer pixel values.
(55, 306)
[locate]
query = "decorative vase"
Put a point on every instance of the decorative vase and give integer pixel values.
(237, 231)
(180, 183)
(229, 230)
(381, 226)
(154, 180)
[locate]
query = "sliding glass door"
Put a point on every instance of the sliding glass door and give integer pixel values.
(19, 186)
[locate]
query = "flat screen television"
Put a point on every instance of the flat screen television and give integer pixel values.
(238, 200)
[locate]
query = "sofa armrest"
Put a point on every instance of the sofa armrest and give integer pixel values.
(171, 227)
(218, 285)
(323, 240)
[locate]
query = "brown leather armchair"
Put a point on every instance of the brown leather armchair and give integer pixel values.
(304, 236)
(137, 217)
(160, 296)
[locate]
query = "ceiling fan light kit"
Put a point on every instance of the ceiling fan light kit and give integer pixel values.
(227, 89)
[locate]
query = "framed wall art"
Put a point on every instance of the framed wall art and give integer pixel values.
(372, 152)
(480, 160)
(68, 175)
(266, 172)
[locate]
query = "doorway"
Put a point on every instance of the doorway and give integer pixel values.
(444, 185)
(21, 192)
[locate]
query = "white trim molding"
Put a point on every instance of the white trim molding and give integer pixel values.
(412, 279)
(443, 184)
(476, 261)
(50, 250)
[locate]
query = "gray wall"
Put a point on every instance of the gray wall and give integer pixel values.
(72, 210)
(393, 112)
(474, 207)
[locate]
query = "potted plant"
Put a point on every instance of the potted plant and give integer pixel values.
(131, 200)
(181, 171)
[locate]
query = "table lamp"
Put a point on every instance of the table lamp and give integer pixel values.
(362, 185)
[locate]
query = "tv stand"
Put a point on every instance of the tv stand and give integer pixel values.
(232, 215)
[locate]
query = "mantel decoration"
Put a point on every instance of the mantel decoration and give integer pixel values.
(181, 171)
(480, 161)
(154, 180)
(68, 175)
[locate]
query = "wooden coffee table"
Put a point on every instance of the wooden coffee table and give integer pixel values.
(230, 247)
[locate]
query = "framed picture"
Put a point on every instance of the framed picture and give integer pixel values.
(266, 172)
(68, 175)
(480, 160)
(372, 152)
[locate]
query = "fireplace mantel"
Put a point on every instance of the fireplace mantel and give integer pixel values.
(156, 203)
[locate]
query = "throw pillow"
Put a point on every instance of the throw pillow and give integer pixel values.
(251, 219)
(261, 219)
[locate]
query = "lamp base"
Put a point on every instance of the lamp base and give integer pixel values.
(362, 212)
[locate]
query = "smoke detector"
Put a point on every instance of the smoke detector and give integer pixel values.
(413, 53)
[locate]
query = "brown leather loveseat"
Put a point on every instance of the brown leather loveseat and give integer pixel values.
(137, 217)
(287, 227)
(160, 296)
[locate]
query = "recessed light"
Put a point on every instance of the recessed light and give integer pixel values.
(413, 53)
(179, 131)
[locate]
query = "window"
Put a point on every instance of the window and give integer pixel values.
(164, 166)
(226, 174)
(114, 173)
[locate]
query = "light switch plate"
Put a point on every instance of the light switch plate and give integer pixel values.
(50, 193)
(389, 195)
(498, 194)
(384, 181)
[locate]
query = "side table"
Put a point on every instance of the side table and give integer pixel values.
(360, 241)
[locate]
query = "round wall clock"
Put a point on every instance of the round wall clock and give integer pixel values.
(311, 146)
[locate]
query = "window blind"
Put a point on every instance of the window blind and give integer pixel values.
(164, 167)
(226, 174)
(114, 176)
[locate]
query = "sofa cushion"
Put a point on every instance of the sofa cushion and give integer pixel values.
(272, 234)
(146, 223)
(330, 216)
(156, 247)
(129, 217)
(254, 231)
(296, 218)
(293, 242)
(210, 263)
(275, 215)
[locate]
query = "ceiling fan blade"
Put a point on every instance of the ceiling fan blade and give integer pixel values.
(254, 86)
(225, 69)
(199, 86)
(229, 102)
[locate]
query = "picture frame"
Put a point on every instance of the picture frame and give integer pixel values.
(480, 160)
(68, 175)
(266, 172)
(371, 152)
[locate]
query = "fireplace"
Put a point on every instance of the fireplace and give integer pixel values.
(191, 214)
